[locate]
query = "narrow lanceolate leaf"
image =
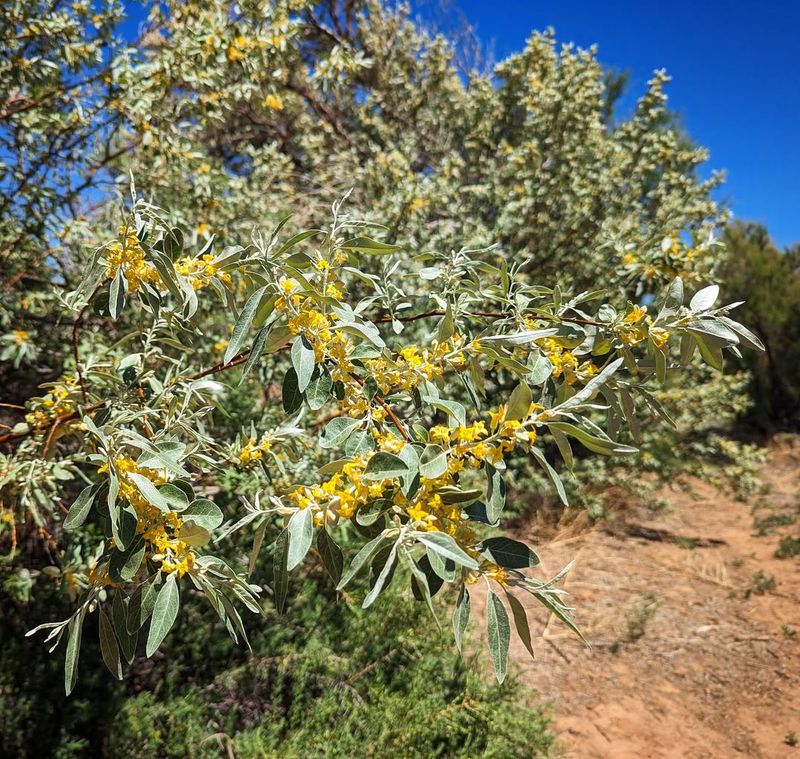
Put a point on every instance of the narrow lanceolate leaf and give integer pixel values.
(495, 494)
(446, 547)
(429, 575)
(519, 404)
(255, 353)
(369, 246)
(295, 239)
(521, 622)
(421, 587)
(291, 395)
(141, 603)
(149, 491)
(461, 617)
(552, 474)
(164, 614)
(125, 564)
(242, 326)
(564, 448)
(303, 361)
(499, 634)
(73, 652)
(280, 576)
(383, 466)
(447, 326)
(331, 555)
(746, 337)
(519, 338)
(108, 645)
(712, 356)
(360, 559)
(301, 532)
(119, 617)
(80, 508)
(557, 607)
(382, 578)
(256, 549)
(509, 553)
(116, 296)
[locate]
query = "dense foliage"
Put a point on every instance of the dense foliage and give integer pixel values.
(329, 681)
(768, 280)
(355, 298)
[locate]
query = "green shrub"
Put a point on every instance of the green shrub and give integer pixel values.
(769, 282)
(328, 680)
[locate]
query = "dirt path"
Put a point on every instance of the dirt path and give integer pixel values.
(693, 654)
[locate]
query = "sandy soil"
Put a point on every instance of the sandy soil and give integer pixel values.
(690, 655)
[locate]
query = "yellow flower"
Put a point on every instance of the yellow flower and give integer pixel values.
(495, 417)
(496, 573)
(659, 336)
(127, 254)
(469, 434)
(236, 50)
(418, 514)
(273, 102)
(21, 337)
(632, 335)
(253, 451)
(182, 562)
(439, 434)
(635, 315)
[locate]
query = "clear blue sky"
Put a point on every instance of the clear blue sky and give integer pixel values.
(736, 79)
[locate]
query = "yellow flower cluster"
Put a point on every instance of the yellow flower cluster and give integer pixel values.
(473, 444)
(413, 365)
(674, 259)
(20, 337)
(156, 527)
(237, 50)
(57, 403)
(345, 492)
(636, 327)
(490, 570)
(273, 103)
(339, 496)
(200, 271)
(253, 450)
(315, 327)
(659, 336)
(127, 254)
(565, 363)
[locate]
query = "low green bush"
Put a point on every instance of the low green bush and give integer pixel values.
(329, 680)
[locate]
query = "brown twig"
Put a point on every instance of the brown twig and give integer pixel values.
(395, 420)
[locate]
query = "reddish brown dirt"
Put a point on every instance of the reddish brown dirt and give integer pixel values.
(683, 661)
